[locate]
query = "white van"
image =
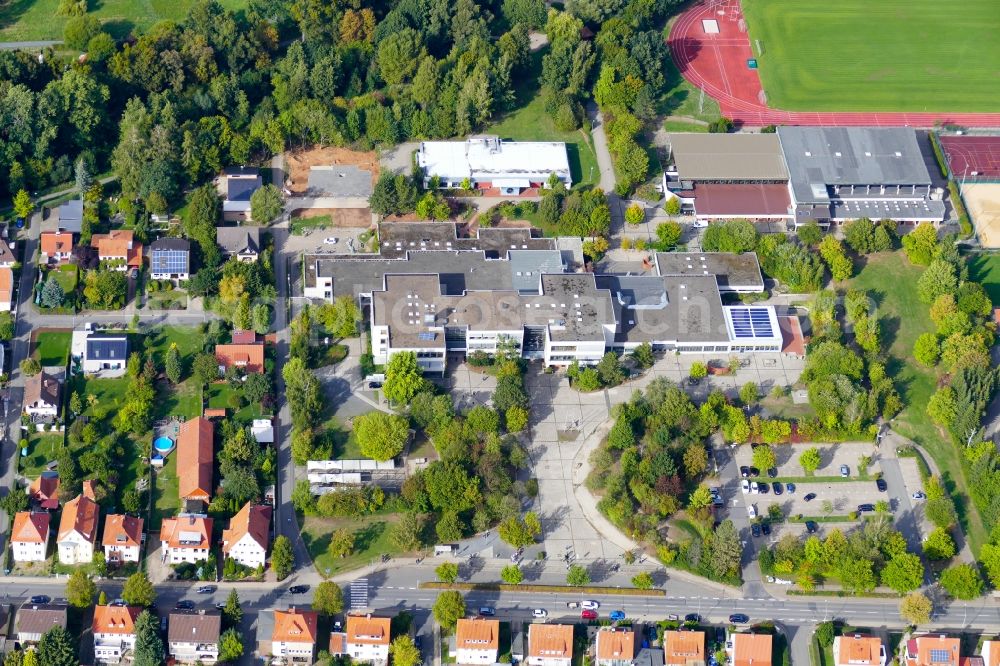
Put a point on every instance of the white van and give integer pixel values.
(752, 510)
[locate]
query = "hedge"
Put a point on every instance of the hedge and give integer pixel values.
(939, 156)
(549, 589)
(963, 215)
(841, 593)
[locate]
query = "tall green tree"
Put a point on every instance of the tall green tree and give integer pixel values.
(282, 558)
(403, 378)
(448, 608)
(149, 650)
(57, 648)
(138, 590)
(80, 589)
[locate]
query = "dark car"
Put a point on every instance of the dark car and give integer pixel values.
(772, 472)
(755, 529)
(738, 618)
(865, 507)
(777, 487)
(692, 617)
(881, 485)
(754, 471)
(487, 611)
(298, 589)
(765, 528)
(809, 497)
(374, 385)
(744, 471)
(811, 526)
(184, 604)
(41, 599)
(763, 488)
(790, 487)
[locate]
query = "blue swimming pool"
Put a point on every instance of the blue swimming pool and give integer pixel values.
(163, 444)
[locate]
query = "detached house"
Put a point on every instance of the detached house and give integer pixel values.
(990, 653)
(78, 529)
(615, 646)
(750, 649)
(246, 540)
(122, 538)
(6, 288)
(243, 243)
(44, 490)
(932, 650)
(294, 635)
(56, 247)
(69, 216)
(105, 354)
(29, 537)
(550, 644)
(248, 358)
(236, 185)
(118, 247)
(41, 396)
(34, 620)
(477, 641)
(7, 259)
(366, 639)
(858, 650)
(170, 259)
(114, 633)
(195, 457)
(186, 538)
(193, 637)
(684, 648)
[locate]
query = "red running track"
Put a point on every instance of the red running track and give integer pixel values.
(717, 63)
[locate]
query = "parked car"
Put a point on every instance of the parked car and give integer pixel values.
(766, 528)
(745, 485)
(330, 240)
(809, 497)
(845, 471)
(572, 604)
(881, 485)
(755, 529)
(40, 599)
(778, 489)
(184, 604)
(744, 471)
(692, 617)
(617, 615)
(588, 615)
(790, 487)
(811, 526)
(752, 510)
(374, 385)
(763, 488)
(865, 507)
(772, 472)
(487, 611)
(919, 495)
(754, 471)
(298, 589)
(206, 589)
(539, 612)
(739, 618)
(754, 487)
(590, 604)
(221, 605)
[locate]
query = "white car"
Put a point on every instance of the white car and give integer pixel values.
(745, 485)
(919, 495)
(752, 510)
(539, 612)
(754, 488)
(331, 240)
(589, 604)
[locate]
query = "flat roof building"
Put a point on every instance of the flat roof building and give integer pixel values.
(491, 162)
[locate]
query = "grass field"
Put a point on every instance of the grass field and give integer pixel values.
(896, 55)
(22, 20)
(52, 347)
(985, 269)
(371, 540)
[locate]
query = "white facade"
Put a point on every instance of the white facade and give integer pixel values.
(293, 650)
(117, 553)
(190, 652)
(364, 652)
(109, 648)
(488, 161)
(74, 548)
(480, 656)
(549, 661)
(41, 408)
(26, 551)
(179, 554)
(248, 552)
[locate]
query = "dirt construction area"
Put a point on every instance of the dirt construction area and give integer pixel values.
(983, 202)
(298, 163)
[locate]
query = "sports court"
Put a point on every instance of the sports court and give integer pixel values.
(972, 157)
(982, 200)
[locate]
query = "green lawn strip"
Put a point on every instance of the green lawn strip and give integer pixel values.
(66, 276)
(52, 347)
(182, 400)
(985, 269)
(43, 448)
(839, 593)
(187, 338)
(166, 493)
(888, 278)
(821, 519)
(804, 479)
(683, 126)
(547, 589)
(371, 540)
(813, 51)
(300, 224)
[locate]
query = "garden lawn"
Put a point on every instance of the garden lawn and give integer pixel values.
(371, 540)
(218, 398)
(299, 225)
(889, 279)
(166, 493)
(895, 55)
(52, 347)
(985, 269)
(530, 122)
(43, 448)
(184, 399)
(22, 20)
(66, 275)
(187, 339)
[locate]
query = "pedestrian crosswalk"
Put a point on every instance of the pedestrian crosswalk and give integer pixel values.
(359, 594)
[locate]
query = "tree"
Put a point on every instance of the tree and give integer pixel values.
(832, 251)
(938, 278)
(642, 581)
(927, 349)
(79, 30)
(962, 581)
(635, 214)
(511, 574)
(341, 317)
(404, 652)
(30, 367)
(860, 235)
(149, 649)
(172, 364)
(609, 369)
(643, 355)
(939, 545)
(403, 378)
(577, 576)
(233, 611)
(52, 293)
(449, 607)
(810, 460)
(668, 234)
(6, 326)
(265, 204)
(916, 608)
(13, 502)
(328, 599)
(205, 368)
(447, 572)
(672, 206)
(80, 589)
(342, 543)
(57, 648)
(733, 236)
(381, 436)
(698, 370)
(519, 532)
(903, 573)
(138, 590)
(231, 645)
(920, 244)
(825, 633)
(809, 234)
(23, 205)
(764, 457)
(282, 558)
(726, 551)
(516, 418)
(749, 393)
(407, 533)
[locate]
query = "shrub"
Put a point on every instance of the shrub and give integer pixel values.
(635, 214)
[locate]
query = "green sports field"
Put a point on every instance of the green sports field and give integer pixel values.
(29, 20)
(890, 55)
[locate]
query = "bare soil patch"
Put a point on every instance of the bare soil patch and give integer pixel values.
(299, 163)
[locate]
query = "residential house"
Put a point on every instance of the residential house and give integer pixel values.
(242, 337)
(122, 538)
(35, 619)
(41, 397)
(931, 650)
(170, 259)
(114, 633)
(195, 457)
(7, 259)
(293, 638)
(616, 646)
(29, 537)
(119, 248)
(6, 288)
(78, 529)
(247, 538)
(477, 641)
(367, 638)
(858, 650)
(45, 490)
(105, 354)
(684, 648)
(186, 538)
(263, 431)
(750, 649)
(241, 243)
(193, 637)
(550, 645)
(236, 185)
(56, 247)
(69, 216)
(248, 358)
(990, 653)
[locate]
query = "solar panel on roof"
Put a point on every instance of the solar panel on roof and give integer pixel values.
(425, 336)
(940, 656)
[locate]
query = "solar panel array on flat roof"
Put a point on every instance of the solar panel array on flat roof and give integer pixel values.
(425, 336)
(940, 656)
(169, 261)
(751, 323)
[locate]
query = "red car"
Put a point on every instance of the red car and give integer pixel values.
(588, 615)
